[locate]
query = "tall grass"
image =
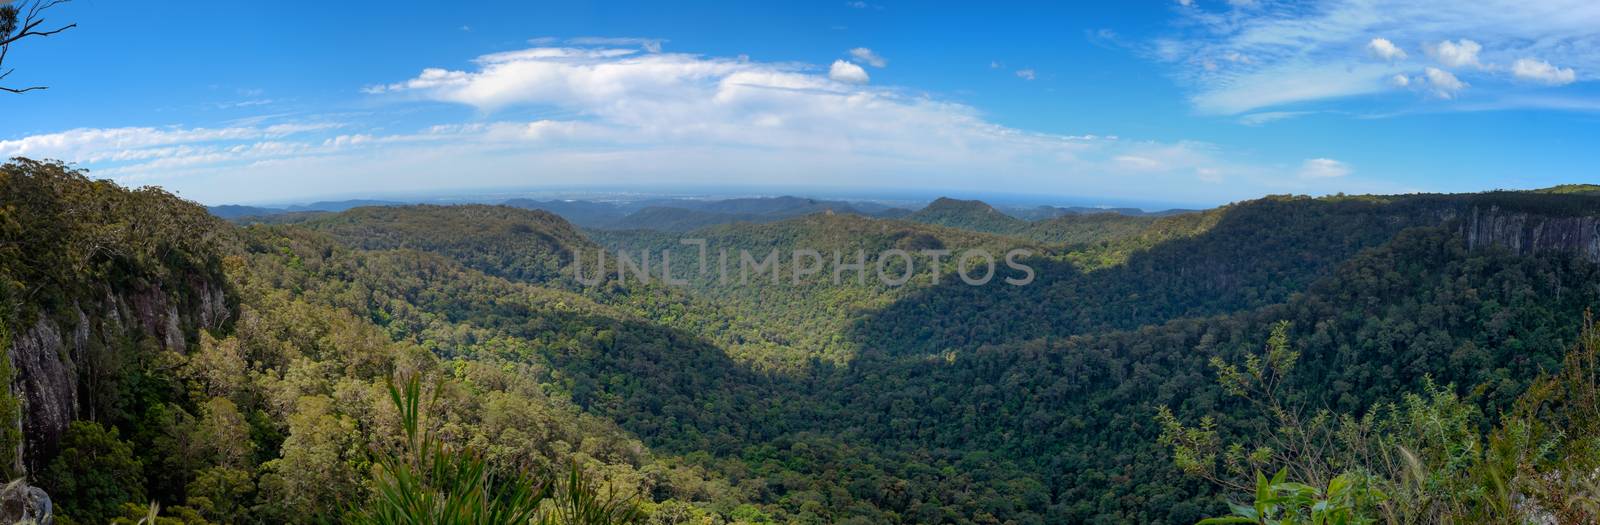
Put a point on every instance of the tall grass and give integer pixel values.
(428, 482)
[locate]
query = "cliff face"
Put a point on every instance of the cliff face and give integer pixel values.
(59, 349)
(1527, 234)
(95, 281)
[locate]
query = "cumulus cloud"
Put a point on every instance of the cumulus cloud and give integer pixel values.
(626, 116)
(847, 72)
(1399, 80)
(1541, 71)
(1458, 54)
(868, 57)
(1026, 74)
(1442, 83)
(1383, 49)
(1323, 168)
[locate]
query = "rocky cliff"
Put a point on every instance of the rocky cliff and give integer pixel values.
(1527, 233)
(55, 357)
(94, 278)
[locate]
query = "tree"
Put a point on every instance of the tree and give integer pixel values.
(21, 20)
(223, 435)
(94, 474)
(221, 494)
(314, 475)
(1423, 460)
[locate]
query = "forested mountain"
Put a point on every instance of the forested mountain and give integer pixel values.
(230, 211)
(662, 218)
(239, 373)
(682, 215)
(967, 214)
(1039, 213)
(587, 214)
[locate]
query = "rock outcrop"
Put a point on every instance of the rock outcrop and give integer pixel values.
(53, 353)
(1528, 234)
(22, 503)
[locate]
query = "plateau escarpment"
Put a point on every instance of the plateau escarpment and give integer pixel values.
(62, 360)
(1528, 233)
(90, 275)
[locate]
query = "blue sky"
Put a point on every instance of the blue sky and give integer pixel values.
(1195, 102)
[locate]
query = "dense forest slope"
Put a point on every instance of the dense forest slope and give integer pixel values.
(236, 373)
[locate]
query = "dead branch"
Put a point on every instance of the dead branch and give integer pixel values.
(31, 19)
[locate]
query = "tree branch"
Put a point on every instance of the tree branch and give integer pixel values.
(29, 27)
(28, 31)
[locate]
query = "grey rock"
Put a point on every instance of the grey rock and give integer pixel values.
(20, 503)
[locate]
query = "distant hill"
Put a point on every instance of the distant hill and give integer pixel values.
(880, 210)
(588, 214)
(234, 211)
(662, 218)
(681, 215)
(968, 215)
(341, 205)
(674, 214)
(1039, 213)
(785, 206)
(529, 245)
(1051, 225)
(1571, 189)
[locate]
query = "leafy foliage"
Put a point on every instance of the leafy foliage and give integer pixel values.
(428, 483)
(1416, 367)
(1427, 460)
(94, 474)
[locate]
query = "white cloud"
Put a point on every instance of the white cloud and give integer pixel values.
(1383, 49)
(1541, 71)
(1257, 119)
(629, 117)
(1138, 163)
(652, 45)
(866, 56)
(1322, 50)
(1442, 83)
(847, 72)
(92, 145)
(1026, 74)
(1459, 54)
(1323, 168)
(1287, 84)
(1399, 80)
